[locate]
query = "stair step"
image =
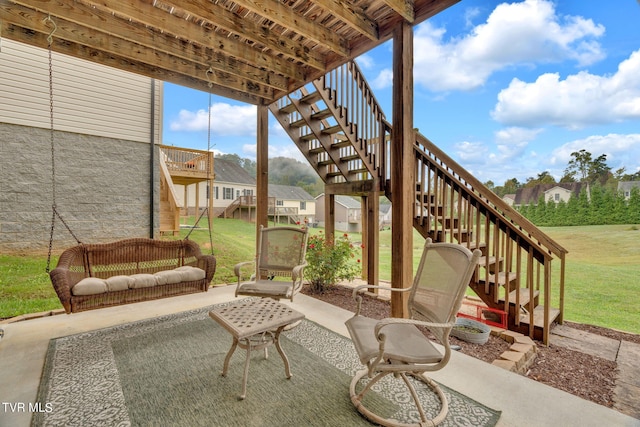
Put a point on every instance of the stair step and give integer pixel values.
(321, 115)
(331, 130)
(538, 316)
(298, 123)
(308, 137)
(491, 261)
(354, 156)
(341, 144)
(311, 98)
(500, 276)
(472, 245)
(288, 109)
(524, 296)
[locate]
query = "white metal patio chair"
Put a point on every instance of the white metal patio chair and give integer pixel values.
(281, 254)
(396, 346)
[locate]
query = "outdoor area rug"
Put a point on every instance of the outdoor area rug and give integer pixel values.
(166, 372)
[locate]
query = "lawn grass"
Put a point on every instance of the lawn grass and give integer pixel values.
(602, 278)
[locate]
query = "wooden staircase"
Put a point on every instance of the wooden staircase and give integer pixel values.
(339, 127)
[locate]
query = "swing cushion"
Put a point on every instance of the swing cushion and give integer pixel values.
(142, 280)
(168, 277)
(190, 274)
(118, 283)
(90, 286)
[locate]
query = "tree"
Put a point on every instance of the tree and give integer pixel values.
(246, 164)
(542, 178)
(579, 165)
(598, 170)
(511, 186)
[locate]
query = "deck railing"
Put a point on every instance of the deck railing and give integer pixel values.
(188, 162)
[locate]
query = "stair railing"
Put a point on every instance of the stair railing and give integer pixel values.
(453, 205)
(356, 108)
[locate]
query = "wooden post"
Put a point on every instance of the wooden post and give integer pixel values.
(262, 170)
(402, 168)
(198, 200)
(371, 237)
(329, 214)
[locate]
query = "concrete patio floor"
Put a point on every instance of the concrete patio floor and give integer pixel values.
(523, 402)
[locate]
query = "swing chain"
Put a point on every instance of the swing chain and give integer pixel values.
(54, 208)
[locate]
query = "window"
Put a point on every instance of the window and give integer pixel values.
(215, 193)
(237, 193)
(227, 193)
(556, 197)
(279, 203)
(303, 206)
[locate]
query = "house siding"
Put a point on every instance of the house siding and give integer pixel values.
(101, 197)
(102, 134)
(89, 98)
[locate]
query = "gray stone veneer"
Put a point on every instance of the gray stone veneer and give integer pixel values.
(102, 189)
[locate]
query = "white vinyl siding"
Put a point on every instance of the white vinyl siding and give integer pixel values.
(88, 98)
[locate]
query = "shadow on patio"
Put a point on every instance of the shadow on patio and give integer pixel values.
(523, 402)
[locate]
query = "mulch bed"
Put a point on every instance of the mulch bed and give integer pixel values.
(589, 377)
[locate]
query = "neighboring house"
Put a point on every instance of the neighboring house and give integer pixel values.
(385, 216)
(292, 204)
(234, 192)
(348, 213)
(625, 187)
(509, 199)
(553, 192)
(104, 122)
(231, 182)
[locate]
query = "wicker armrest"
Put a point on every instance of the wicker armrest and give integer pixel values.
(62, 277)
(208, 264)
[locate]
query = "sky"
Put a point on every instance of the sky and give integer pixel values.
(507, 89)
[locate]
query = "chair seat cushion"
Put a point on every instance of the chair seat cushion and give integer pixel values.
(405, 342)
(89, 286)
(265, 288)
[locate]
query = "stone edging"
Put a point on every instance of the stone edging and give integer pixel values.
(520, 355)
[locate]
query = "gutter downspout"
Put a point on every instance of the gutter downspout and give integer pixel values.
(152, 165)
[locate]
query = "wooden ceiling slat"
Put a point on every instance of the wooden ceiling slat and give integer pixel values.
(404, 8)
(223, 18)
(28, 36)
(299, 24)
(354, 17)
(259, 50)
(34, 21)
(145, 14)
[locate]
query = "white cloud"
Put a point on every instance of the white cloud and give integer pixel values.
(581, 99)
(365, 61)
(226, 120)
(515, 33)
(621, 150)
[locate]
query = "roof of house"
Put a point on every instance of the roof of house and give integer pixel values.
(527, 195)
(628, 185)
(288, 192)
(227, 171)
